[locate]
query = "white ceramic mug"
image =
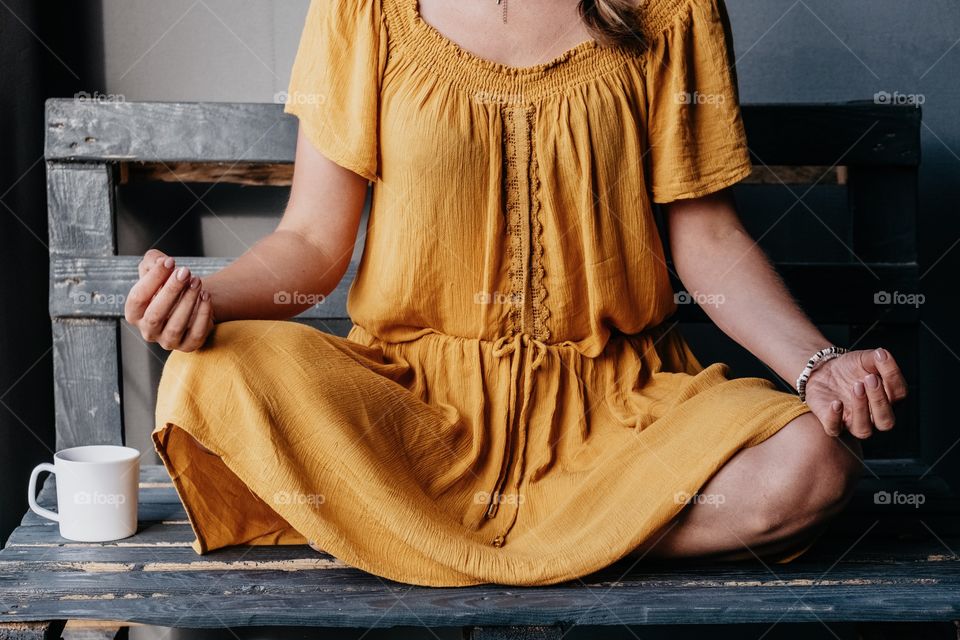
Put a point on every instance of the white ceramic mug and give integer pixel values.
(96, 492)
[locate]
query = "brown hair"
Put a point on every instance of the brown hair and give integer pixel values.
(613, 22)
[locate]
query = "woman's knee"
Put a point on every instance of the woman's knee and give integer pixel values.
(815, 477)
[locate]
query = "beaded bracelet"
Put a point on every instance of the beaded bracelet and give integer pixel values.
(816, 360)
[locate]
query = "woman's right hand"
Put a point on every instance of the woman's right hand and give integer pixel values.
(169, 305)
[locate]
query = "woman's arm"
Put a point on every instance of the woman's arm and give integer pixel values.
(307, 254)
(722, 266)
(278, 277)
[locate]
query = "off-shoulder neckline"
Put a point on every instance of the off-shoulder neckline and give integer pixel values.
(580, 50)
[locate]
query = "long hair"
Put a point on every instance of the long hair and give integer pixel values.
(613, 22)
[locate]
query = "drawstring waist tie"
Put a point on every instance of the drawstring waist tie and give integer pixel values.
(534, 353)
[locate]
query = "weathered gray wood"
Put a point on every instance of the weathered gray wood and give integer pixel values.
(87, 382)
(515, 633)
(795, 134)
(352, 598)
(40, 630)
(97, 287)
(80, 208)
(169, 131)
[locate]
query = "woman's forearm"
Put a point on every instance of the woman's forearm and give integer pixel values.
(278, 277)
(726, 271)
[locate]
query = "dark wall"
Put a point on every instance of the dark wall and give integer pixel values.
(42, 54)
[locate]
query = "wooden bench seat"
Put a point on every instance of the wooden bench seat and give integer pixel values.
(878, 562)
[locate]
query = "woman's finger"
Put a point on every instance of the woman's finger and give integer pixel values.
(833, 423)
(179, 321)
(159, 309)
(859, 422)
(150, 259)
(201, 325)
(880, 409)
(893, 381)
(882, 363)
(142, 293)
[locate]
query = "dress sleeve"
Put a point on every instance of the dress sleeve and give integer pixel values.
(697, 143)
(334, 85)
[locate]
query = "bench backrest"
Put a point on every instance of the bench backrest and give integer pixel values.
(92, 147)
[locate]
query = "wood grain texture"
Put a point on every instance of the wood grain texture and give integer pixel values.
(788, 134)
(96, 287)
(515, 633)
(40, 630)
(86, 363)
(80, 209)
(169, 131)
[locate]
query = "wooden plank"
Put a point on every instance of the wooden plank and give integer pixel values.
(515, 633)
(351, 598)
(169, 131)
(87, 382)
(779, 174)
(171, 512)
(80, 208)
(786, 134)
(148, 534)
(39, 630)
(97, 287)
(270, 175)
(853, 133)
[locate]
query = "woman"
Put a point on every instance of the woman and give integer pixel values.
(513, 403)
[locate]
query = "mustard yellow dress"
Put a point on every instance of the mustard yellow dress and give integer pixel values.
(513, 403)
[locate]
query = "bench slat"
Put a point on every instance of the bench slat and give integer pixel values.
(352, 598)
(96, 288)
(791, 134)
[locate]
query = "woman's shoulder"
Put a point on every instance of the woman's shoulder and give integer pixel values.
(657, 16)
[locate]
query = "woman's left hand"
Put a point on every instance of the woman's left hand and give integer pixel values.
(856, 390)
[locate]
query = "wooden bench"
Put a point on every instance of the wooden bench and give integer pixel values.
(883, 560)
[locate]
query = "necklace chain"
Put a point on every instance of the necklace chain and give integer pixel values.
(503, 3)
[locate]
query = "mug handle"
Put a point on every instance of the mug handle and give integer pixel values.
(32, 490)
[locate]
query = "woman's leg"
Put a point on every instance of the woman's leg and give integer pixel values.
(766, 499)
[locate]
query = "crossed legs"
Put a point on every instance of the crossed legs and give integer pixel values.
(767, 499)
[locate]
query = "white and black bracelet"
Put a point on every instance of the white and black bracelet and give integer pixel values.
(815, 361)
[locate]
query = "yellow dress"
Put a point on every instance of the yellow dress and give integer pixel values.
(513, 403)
